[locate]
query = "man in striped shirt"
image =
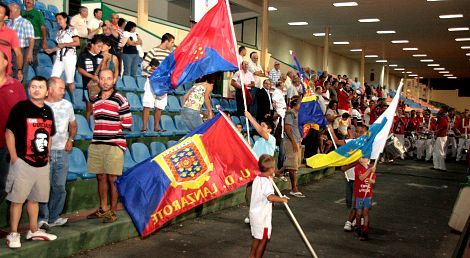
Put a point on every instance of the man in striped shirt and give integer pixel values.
(153, 58)
(106, 152)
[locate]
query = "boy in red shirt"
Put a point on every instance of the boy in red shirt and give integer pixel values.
(364, 179)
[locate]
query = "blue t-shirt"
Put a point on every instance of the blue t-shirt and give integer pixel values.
(263, 146)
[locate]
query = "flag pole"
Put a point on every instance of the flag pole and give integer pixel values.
(296, 223)
(234, 39)
(332, 139)
(294, 220)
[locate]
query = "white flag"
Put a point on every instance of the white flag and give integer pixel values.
(381, 138)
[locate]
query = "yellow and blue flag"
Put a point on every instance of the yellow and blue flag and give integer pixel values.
(350, 152)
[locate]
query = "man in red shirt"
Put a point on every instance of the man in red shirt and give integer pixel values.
(9, 42)
(399, 126)
(454, 132)
(344, 99)
(441, 129)
(364, 179)
(11, 92)
(464, 129)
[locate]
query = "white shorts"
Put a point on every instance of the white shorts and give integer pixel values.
(67, 65)
(149, 99)
(259, 232)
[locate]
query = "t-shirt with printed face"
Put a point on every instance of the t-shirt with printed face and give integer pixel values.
(33, 128)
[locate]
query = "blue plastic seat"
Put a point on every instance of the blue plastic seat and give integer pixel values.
(67, 96)
(180, 90)
(173, 104)
(44, 71)
(150, 128)
(44, 60)
(166, 123)
(134, 101)
(77, 99)
(180, 125)
(128, 160)
(78, 164)
(235, 119)
(171, 143)
(141, 83)
(71, 177)
(134, 132)
(233, 104)
(214, 103)
(129, 83)
(83, 129)
(140, 152)
(120, 84)
(52, 8)
(48, 15)
(78, 79)
(40, 6)
(156, 148)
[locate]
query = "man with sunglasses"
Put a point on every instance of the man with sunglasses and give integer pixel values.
(29, 129)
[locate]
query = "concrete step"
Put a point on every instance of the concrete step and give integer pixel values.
(88, 234)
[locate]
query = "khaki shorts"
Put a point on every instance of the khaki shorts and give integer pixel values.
(105, 159)
(292, 159)
(26, 182)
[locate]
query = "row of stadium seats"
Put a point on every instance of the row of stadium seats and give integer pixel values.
(133, 155)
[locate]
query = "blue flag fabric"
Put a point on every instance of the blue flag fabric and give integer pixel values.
(310, 113)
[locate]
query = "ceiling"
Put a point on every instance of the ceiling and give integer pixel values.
(414, 20)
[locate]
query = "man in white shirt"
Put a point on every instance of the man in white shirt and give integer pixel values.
(256, 70)
(320, 99)
(275, 73)
(80, 22)
(95, 23)
(248, 82)
(241, 55)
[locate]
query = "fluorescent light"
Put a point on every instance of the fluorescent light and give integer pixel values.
(448, 74)
(392, 65)
(453, 77)
(410, 48)
(435, 0)
(297, 23)
(272, 8)
(341, 43)
(409, 72)
(450, 16)
(381, 61)
(468, 54)
(420, 55)
(458, 29)
(421, 77)
(320, 34)
(344, 4)
(369, 20)
(356, 50)
(462, 39)
(415, 75)
(433, 65)
(400, 41)
(444, 72)
(439, 69)
(386, 32)
(426, 60)
(371, 56)
(399, 69)
(465, 47)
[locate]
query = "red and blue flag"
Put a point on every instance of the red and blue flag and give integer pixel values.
(209, 162)
(208, 48)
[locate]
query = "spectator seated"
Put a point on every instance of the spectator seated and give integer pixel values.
(78, 164)
(83, 130)
(156, 148)
(140, 152)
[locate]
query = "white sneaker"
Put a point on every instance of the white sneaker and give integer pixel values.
(247, 220)
(59, 222)
(13, 240)
(40, 235)
(348, 226)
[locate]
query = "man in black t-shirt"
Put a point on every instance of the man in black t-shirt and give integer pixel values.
(29, 129)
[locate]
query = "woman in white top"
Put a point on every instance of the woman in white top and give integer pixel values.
(194, 99)
(66, 54)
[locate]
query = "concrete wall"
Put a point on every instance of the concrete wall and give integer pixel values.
(451, 98)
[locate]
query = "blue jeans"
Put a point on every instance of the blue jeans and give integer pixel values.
(50, 211)
(131, 62)
(192, 118)
(4, 167)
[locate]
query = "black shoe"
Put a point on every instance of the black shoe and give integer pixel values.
(358, 231)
